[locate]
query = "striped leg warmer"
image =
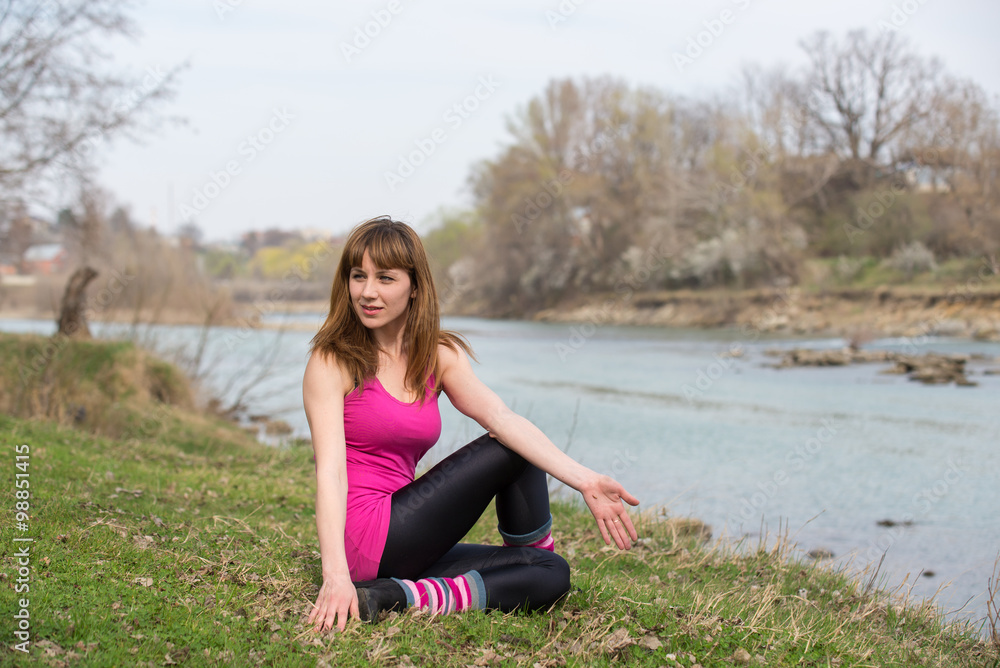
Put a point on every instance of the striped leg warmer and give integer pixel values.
(540, 538)
(443, 596)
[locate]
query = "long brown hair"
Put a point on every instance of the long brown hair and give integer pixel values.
(391, 245)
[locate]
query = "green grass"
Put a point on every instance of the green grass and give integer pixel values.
(110, 388)
(194, 545)
(870, 272)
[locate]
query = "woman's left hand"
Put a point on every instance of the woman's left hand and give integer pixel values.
(604, 498)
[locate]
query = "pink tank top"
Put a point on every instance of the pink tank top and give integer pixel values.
(385, 439)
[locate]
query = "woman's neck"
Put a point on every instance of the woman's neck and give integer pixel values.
(390, 358)
(392, 348)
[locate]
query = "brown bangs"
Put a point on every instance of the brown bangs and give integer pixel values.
(388, 250)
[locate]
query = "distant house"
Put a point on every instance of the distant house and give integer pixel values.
(45, 259)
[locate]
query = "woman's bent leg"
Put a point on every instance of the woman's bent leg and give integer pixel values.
(431, 514)
(513, 577)
(520, 507)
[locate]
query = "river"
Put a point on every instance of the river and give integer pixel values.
(825, 454)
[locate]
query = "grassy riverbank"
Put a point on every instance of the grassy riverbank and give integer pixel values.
(169, 537)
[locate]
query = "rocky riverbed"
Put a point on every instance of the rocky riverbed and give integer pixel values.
(930, 368)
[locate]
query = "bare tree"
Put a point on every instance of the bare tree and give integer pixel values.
(71, 321)
(16, 233)
(865, 92)
(87, 230)
(960, 162)
(59, 98)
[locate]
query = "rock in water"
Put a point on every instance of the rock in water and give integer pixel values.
(820, 553)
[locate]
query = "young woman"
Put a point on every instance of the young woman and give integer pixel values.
(370, 391)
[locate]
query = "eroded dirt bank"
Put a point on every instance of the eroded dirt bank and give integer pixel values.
(965, 311)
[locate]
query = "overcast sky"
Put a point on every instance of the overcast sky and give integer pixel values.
(294, 120)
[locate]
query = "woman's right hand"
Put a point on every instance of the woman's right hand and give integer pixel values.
(337, 600)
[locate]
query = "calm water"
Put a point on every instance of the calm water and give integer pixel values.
(827, 452)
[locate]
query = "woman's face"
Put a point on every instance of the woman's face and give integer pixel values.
(380, 296)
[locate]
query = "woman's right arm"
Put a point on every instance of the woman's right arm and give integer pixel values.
(323, 390)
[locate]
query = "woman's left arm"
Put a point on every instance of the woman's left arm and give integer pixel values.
(603, 494)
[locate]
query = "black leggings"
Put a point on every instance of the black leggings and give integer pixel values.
(432, 513)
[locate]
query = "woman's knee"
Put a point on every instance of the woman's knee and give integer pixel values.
(556, 581)
(560, 576)
(488, 443)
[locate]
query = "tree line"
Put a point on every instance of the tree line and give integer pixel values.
(871, 155)
(871, 152)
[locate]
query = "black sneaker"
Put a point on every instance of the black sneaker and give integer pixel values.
(378, 596)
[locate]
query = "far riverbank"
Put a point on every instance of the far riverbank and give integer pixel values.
(970, 311)
(857, 315)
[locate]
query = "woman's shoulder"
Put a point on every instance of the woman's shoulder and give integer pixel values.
(446, 350)
(449, 353)
(324, 372)
(453, 344)
(453, 360)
